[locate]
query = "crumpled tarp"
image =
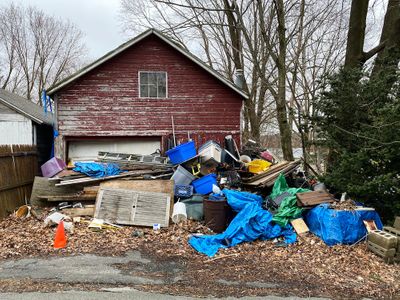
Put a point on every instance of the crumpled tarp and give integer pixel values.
(340, 226)
(288, 209)
(93, 169)
(252, 222)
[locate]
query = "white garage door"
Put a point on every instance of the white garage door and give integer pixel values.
(87, 150)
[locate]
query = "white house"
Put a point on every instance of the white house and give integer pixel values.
(24, 122)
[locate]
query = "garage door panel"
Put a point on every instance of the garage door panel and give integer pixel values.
(88, 150)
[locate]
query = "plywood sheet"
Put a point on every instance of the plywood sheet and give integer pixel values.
(131, 207)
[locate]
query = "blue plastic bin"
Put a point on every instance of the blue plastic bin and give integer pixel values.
(204, 184)
(181, 153)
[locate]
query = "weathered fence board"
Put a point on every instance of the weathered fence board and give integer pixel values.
(18, 167)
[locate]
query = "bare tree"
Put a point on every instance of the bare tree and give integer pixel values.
(39, 50)
(270, 40)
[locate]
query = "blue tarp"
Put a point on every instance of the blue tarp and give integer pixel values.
(252, 222)
(93, 169)
(339, 226)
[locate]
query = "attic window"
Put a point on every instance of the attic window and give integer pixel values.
(153, 84)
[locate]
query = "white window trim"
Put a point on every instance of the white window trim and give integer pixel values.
(166, 84)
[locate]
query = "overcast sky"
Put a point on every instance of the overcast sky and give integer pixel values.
(98, 19)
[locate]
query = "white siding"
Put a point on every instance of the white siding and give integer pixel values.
(14, 127)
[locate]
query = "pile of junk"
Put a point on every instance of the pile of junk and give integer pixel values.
(240, 195)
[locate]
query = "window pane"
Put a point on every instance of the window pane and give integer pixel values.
(161, 92)
(143, 91)
(152, 78)
(152, 91)
(143, 78)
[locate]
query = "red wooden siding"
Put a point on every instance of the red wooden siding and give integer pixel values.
(105, 101)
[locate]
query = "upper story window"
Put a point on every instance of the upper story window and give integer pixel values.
(153, 84)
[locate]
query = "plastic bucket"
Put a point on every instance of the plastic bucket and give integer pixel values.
(182, 176)
(217, 214)
(181, 153)
(179, 212)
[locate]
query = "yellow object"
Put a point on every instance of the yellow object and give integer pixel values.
(258, 165)
(194, 171)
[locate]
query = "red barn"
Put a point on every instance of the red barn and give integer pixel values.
(126, 101)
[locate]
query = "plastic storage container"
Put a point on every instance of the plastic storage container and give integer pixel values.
(204, 184)
(259, 165)
(210, 150)
(182, 176)
(194, 207)
(52, 167)
(181, 153)
(182, 190)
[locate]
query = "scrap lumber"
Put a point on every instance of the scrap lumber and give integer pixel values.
(91, 189)
(42, 186)
(70, 197)
(97, 179)
(130, 207)
(87, 211)
(313, 198)
(267, 178)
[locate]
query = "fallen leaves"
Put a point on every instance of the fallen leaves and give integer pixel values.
(308, 267)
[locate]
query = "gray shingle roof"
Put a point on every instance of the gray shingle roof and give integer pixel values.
(25, 107)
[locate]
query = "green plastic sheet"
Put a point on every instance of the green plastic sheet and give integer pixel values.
(288, 210)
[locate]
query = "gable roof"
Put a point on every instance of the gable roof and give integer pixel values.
(59, 85)
(25, 107)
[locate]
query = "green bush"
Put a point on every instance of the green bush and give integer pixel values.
(359, 121)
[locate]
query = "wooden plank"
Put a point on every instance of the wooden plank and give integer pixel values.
(155, 186)
(93, 179)
(42, 186)
(314, 198)
(273, 169)
(91, 189)
(269, 177)
(72, 197)
(79, 212)
(130, 207)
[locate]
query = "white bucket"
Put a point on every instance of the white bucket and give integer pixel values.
(179, 213)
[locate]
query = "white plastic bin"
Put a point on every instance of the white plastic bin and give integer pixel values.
(210, 150)
(182, 176)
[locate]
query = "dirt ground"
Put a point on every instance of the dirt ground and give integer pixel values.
(307, 268)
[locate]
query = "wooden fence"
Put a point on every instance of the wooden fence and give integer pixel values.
(18, 167)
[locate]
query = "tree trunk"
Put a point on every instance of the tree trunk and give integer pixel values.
(356, 34)
(390, 37)
(284, 128)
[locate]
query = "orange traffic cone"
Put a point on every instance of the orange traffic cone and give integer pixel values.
(60, 240)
